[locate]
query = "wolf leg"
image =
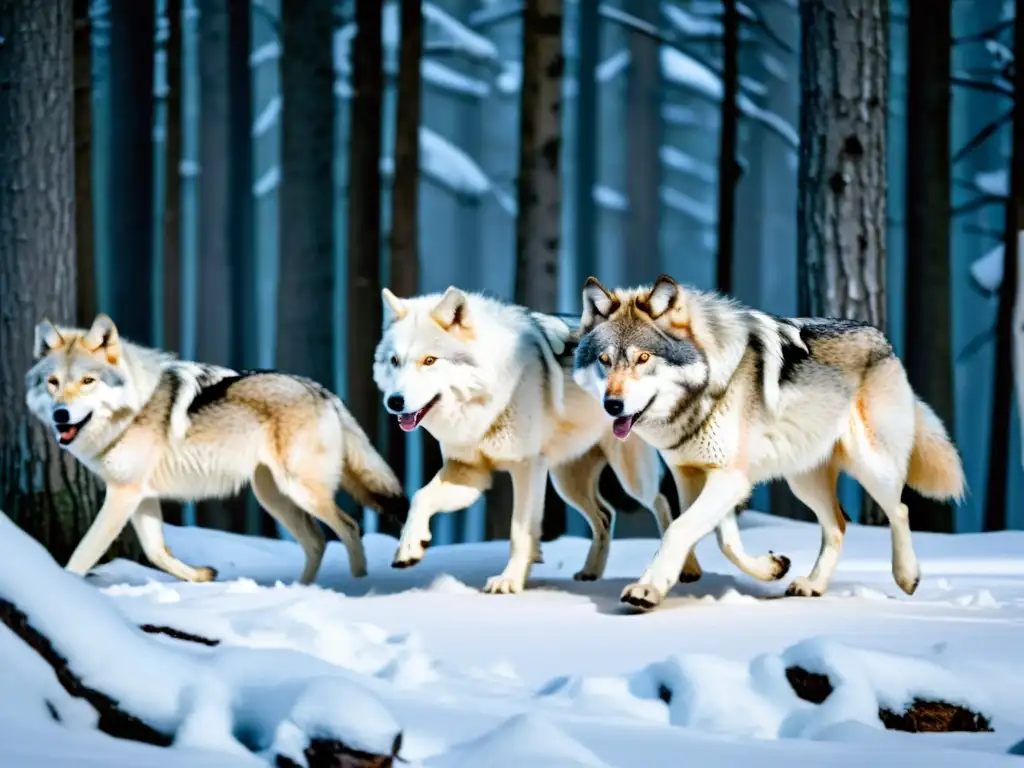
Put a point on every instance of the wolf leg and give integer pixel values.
(320, 504)
(576, 483)
(723, 490)
(529, 480)
(118, 506)
(455, 486)
(295, 520)
(817, 490)
(148, 522)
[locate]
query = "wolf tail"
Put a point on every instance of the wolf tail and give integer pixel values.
(366, 475)
(935, 468)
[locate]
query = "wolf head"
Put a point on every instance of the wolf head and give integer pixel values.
(79, 378)
(642, 351)
(426, 360)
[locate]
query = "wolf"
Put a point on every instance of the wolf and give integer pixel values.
(492, 382)
(154, 427)
(732, 397)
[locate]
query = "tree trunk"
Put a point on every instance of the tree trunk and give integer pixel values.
(587, 46)
(224, 239)
(539, 190)
(404, 264)
(1009, 357)
(41, 488)
(305, 338)
(929, 323)
(85, 274)
(365, 314)
(842, 204)
(728, 163)
(644, 137)
(131, 153)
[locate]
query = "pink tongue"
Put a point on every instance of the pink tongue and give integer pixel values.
(409, 421)
(622, 426)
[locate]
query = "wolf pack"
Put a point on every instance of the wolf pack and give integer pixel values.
(724, 396)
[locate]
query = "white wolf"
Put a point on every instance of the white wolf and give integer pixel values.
(154, 427)
(492, 382)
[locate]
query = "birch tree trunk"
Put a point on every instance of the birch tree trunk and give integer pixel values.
(42, 489)
(928, 355)
(1009, 359)
(842, 199)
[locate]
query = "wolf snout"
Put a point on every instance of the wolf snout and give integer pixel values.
(395, 403)
(613, 406)
(61, 416)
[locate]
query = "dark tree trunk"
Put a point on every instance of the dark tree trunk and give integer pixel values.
(728, 163)
(172, 197)
(644, 137)
(589, 37)
(85, 274)
(305, 338)
(42, 489)
(1008, 321)
(225, 295)
(842, 177)
(404, 264)
(364, 217)
(131, 153)
(539, 190)
(929, 323)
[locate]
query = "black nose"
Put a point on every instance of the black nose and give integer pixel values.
(613, 406)
(396, 403)
(61, 416)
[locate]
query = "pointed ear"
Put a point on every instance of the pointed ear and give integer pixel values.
(598, 303)
(47, 339)
(102, 335)
(663, 297)
(452, 310)
(394, 307)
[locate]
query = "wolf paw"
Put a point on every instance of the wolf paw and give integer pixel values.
(410, 553)
(802, 587)
(205, 573)
(642, 596)
(908, 582)
(503, 585)
(358, 570)
(586, 574)
(688, 576)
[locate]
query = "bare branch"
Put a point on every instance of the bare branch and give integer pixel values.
(979, 341)
(761, 22)
(265, 13)
(986, 34)
(982, 136)
(978, 202)
(980, 85)
(488, 17)
(974, 229)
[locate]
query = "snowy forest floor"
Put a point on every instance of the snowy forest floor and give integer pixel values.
(560, 676)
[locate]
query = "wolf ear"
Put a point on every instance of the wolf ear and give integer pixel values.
(102, 335)
(663, 297)
(394, 307)
(47, 339)
(598, 303)
(452, 310)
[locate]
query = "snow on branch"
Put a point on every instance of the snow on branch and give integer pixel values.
(987, 271)
(993, 183)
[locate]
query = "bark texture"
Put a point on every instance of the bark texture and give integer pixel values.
(539, 186)
(929, 323)
(842, 176)
(728, 162)
(86, 277)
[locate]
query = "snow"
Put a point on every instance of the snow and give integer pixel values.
(690, 24)
(987, 270)
(678, 160)
(995, 183)
(558, 676)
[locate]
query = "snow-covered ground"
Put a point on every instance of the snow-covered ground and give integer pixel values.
(560, 676)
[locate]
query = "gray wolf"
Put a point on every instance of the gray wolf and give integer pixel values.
(492, 382)
(153, 427)
(732, 397)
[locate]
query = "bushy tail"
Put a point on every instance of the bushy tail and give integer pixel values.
(366, 475)
(935, 469)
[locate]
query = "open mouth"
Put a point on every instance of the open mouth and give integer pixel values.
(623, 425)
(66, 433)
(410, 420)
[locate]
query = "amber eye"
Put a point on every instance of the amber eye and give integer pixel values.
(394, 361)
(87, 380)
(605, 360)
(429, 360)
(643, 357)
(53, 381)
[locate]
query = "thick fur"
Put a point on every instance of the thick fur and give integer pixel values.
(734, 397)
(492, 382)
(154, 427)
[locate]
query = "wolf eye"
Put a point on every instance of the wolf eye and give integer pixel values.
(53, 381)
(643, 357)
(394, 361)
(87, 380)
(429, 360)
(605, 360)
